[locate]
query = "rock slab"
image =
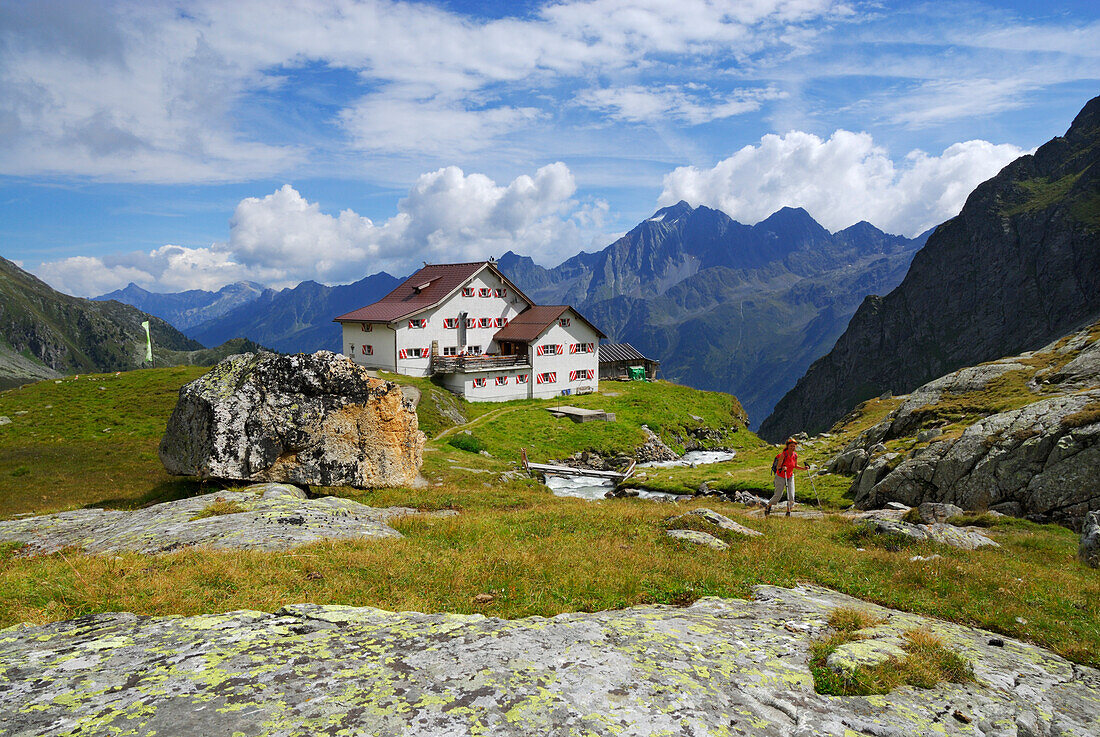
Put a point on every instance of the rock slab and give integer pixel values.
(697, 537)
(957, 537)
(271, 517)
(717, 667)
(724, 522)
(304, 419)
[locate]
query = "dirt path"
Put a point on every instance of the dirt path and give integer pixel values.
(476, 421)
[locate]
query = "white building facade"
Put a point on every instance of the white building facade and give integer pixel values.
(472, 327)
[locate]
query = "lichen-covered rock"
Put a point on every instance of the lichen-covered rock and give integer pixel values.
(696, 537)
(654, 450)
(1026, 462)
(261, 517)
(1089, 549)
(933, 512)
(958, 537)
(717, 667)
(848, 462)
(304, 419)
(724, 522)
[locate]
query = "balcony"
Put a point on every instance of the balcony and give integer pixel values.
(464, 364)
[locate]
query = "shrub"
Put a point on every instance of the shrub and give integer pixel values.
(863, 536)
(219, 507)
(927, 661)
(986, 519)
(848, 619)
(1088, 415)
(468, 443)
(912, 517)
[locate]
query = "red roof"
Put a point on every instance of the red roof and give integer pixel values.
(533, 322)
(426, 288)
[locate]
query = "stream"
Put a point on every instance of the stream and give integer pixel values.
(594, 487)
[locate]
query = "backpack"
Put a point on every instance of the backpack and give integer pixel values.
(781, 458)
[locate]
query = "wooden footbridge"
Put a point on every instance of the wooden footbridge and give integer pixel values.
(617, 476)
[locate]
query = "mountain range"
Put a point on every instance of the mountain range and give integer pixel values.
(723, 305)
(190, 308)
(295, 320)
(1017, 268)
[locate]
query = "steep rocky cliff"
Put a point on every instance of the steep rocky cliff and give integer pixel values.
(45, 334)
(1018, 267)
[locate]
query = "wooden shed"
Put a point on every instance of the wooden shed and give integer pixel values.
(618, 359)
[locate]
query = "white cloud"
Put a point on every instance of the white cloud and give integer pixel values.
(936, 101)
(282, 238)
(154, 91)
(382, 123)
(692, 104)
(840, 181)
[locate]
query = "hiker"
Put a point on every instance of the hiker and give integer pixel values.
(784, 466)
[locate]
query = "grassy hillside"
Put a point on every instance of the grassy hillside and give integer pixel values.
(92, 441)
(45, 334)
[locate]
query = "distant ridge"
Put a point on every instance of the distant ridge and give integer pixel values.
(295, 320)
(1018, 267)
(186, 309)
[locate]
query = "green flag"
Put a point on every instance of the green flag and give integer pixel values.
(148, 342)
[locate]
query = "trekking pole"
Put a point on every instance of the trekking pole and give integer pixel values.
(814, 487)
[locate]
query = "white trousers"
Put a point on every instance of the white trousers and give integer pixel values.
(782, 484)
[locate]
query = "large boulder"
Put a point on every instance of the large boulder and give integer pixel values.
(303, 419)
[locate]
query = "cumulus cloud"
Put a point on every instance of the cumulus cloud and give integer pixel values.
(840, 180)
(283, 238)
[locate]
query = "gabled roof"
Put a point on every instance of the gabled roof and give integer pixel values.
(534, 321)
(425, 289)
(611, 352)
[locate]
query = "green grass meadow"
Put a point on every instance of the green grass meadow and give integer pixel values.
(92, 442)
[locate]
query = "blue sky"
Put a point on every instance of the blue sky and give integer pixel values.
(188, 145)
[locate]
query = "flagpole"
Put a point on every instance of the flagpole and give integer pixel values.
(148, 345)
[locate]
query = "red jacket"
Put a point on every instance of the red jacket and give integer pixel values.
(787, 463)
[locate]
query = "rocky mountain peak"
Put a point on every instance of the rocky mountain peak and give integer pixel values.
(792, 223)
(671, 213)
